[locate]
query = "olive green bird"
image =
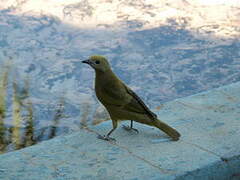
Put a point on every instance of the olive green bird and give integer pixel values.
(121, 102)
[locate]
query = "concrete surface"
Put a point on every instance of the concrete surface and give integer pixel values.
(209, 148)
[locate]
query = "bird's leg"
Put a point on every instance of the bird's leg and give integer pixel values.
(107, 138)
(130, 128)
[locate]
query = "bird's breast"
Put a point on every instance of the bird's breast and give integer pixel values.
(100, 89)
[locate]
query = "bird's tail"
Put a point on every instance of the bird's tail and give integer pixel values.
(167, 129)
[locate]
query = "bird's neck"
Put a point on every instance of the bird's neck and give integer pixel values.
(105, 77)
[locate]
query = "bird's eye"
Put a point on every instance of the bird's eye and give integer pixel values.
(97, 62)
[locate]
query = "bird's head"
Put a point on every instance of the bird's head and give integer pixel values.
(99, 63)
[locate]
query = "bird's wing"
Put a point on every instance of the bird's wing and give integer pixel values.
(114, 94)
(137, 105)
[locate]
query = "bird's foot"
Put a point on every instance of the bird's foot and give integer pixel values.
(128, 128)
(106, 138)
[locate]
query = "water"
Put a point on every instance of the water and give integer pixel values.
(46, 91)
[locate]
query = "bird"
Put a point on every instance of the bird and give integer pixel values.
(121, 102)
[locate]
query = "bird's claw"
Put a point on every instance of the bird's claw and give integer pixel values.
(128, 128)
(106, 138)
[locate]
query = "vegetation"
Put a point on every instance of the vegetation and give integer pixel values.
(22, 131)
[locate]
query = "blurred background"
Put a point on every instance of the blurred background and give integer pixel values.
(163, 49)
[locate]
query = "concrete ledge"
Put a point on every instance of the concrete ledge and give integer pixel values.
(209, 148)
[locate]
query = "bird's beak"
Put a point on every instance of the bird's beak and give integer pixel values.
(87, 61)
